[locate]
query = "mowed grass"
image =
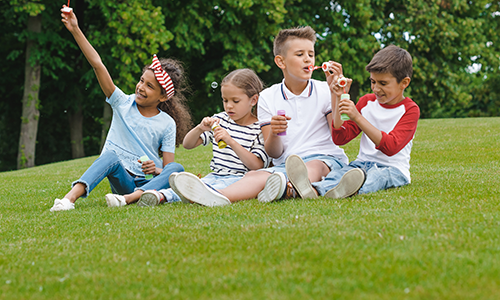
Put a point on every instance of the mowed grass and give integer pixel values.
(438, 238)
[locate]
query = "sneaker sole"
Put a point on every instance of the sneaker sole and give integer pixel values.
(296, 170)
(349, 184)
(148, 199)
(112, 201)
(171, 181)
(273, 189)
(193, 189)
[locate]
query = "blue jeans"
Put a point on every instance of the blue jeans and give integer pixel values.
(217, 181)
(121, 181)
(378, 177)
(330, 161)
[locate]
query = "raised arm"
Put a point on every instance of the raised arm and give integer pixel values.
(105, 81)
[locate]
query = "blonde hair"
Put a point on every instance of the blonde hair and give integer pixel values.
(279, 46)
(246, 80)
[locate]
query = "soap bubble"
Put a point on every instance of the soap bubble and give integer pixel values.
(214, 85)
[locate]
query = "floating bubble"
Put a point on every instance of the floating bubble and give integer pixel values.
(214, 85)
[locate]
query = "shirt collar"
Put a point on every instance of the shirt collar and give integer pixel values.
(287, 95)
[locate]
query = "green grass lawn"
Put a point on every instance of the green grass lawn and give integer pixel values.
(438, 238)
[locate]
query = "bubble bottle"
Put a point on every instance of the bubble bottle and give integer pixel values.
(281, 112)
(143, 159)
(221, 143)
(342, 82)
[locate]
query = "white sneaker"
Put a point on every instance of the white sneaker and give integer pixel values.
(150, 198)
(193, 189)
(115, 200)
(296, 170)
(62, 204)
(274, 188)
(171, 181)
(349, 184)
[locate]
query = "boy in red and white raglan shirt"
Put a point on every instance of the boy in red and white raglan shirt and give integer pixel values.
(388, 121)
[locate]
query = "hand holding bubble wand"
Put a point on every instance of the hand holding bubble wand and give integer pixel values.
(342, 82)
(67, 9)
(221, 144)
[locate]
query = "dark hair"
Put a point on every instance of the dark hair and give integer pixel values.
(393, 60)
(176, 107)
(286, 34)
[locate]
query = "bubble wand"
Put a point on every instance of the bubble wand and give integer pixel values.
(67, 9)
(342, 82)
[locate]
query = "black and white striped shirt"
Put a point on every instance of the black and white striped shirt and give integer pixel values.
(225, 161)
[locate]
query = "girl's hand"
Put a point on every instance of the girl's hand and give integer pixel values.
(69, 20)
(279, 124)
(347, 106)
(221, 134)
(148, 167)
(206, 123)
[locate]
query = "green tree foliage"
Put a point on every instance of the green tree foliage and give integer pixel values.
(212, 38)
(446, 38)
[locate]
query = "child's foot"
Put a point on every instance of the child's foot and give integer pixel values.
(276, 188)
(349, 184)
(62, 204)
(296, 170)
(171, 181)
(150, 198)
(115, 200)
(193, 189)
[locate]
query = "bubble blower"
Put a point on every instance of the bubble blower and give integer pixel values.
(342, 82)
(67, 9)
(143, 159)
(281, 112)
(221, 143)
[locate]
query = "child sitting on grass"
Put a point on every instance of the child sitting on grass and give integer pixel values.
(307, 125)
(143, 123)
(388, 121)
(238, 128)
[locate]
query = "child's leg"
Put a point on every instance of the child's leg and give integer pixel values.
(157, 183)
(248, 187)
(381, 177)
(331, 180)
(107, 164)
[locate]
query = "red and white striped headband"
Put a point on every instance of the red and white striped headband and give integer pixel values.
(163, 78)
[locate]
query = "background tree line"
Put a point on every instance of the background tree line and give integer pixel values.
(53, 108)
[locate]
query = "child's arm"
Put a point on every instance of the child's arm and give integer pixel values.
(149, 167)
(250, 160)
(105, 81)
(336, 91)
(272, 141)
(192, 139)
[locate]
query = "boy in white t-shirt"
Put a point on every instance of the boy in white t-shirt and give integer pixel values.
(388, 121)
(307, 124)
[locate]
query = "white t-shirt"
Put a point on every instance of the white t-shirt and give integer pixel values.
(226, 161)
(308, 130)
(132, 135)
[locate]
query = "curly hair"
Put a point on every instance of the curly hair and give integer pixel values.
(176, 107)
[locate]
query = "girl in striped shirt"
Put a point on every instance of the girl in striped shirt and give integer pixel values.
(237, 141)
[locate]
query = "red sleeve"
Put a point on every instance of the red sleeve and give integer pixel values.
(403, 132)
(349, 130)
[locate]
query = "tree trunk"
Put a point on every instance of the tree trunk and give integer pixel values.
(30, 115)
(106, 122)
(76, 130)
